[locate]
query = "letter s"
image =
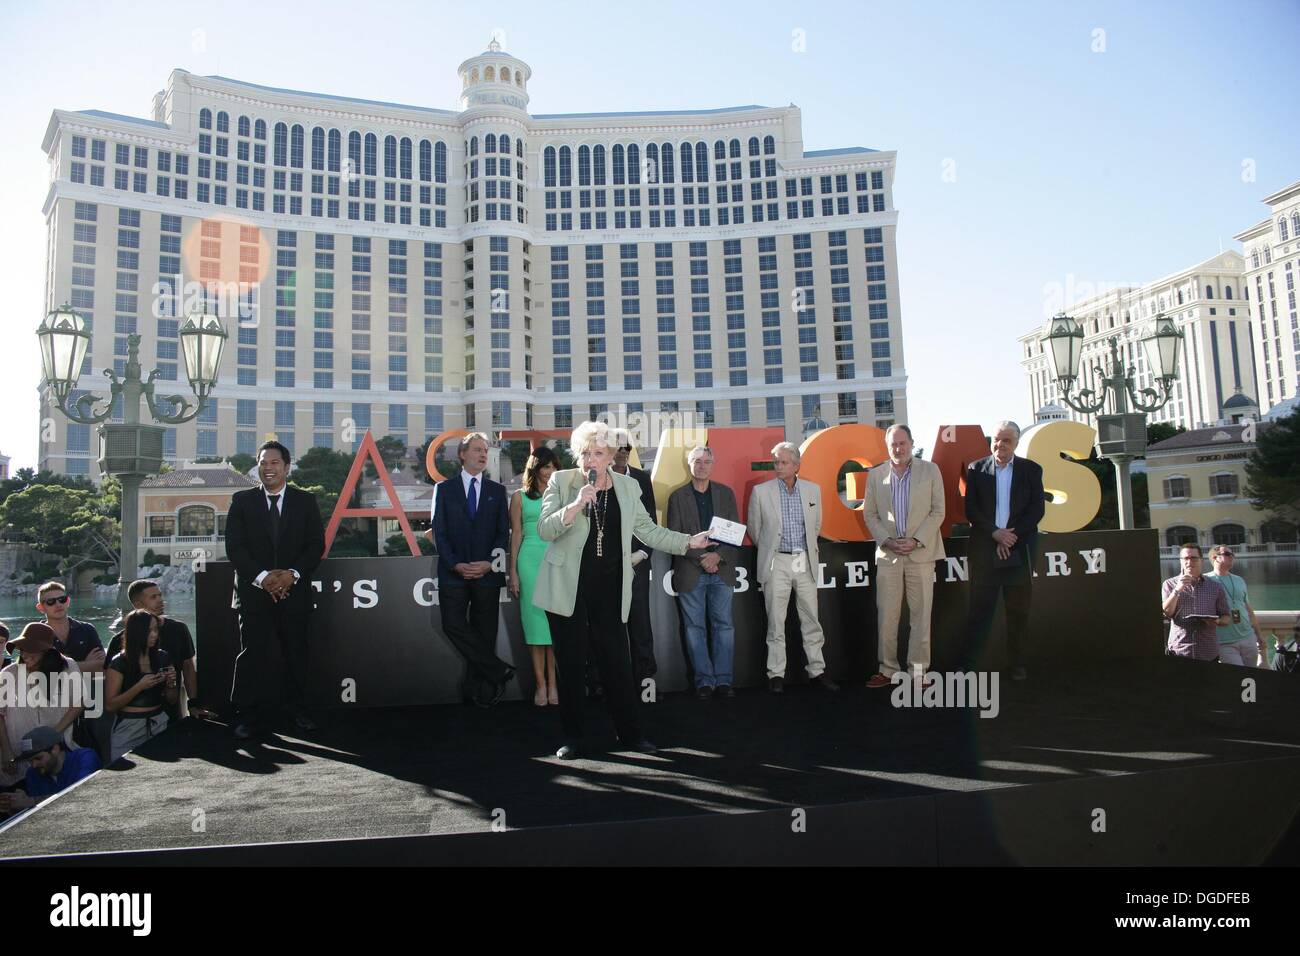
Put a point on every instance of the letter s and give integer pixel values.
(365, 593)
(1075, 490)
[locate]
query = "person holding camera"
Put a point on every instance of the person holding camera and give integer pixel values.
(141, 682)
(1240, 642)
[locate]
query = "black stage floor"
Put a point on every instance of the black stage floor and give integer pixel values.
(1183, 770)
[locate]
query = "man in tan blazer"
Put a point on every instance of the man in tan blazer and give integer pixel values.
(903, 510)
(785, 517)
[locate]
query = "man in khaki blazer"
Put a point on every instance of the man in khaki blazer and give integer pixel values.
(903, 510)
(785, 517)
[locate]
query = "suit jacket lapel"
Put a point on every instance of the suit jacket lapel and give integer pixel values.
(264, 513)
(916, 493)
(627, 502)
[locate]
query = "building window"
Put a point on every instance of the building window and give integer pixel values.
(1223, 485)
(1177, 487)
(1230, 534)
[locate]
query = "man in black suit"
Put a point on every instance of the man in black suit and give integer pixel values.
(275, 539)
(1004, 504)
(640, 636)
(471, 526)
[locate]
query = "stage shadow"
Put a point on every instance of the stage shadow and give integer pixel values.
(454, 769)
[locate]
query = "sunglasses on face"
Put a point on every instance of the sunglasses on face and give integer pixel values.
(61, 599)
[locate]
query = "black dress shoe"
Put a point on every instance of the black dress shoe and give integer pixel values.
(244, 730)
(641, 745)
(493, 693)
(776, 685)
(304, 722)
(703, 693)
(724, 690)
(568, 752)
(825, 683)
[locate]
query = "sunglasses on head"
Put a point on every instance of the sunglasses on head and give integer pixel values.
(61, 599)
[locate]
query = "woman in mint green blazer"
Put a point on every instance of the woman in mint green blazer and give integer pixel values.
(585, 581)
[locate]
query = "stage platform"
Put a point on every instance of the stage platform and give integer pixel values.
(1164, 754)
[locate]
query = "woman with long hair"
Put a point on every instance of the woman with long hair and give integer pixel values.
(526, 552)
(589, 515)
(137, 682)
(36, 683)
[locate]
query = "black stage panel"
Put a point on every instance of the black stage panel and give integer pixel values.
(377, 626)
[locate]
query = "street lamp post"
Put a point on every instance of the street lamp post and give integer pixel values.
(1122, 436)
(130, 450)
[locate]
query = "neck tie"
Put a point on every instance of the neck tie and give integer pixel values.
(275, 517)
(473, 498)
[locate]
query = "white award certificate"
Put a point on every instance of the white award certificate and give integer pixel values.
(727, 532)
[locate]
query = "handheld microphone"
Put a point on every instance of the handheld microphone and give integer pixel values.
(591, 480)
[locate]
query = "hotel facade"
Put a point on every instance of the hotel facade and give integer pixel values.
(413, 270)
(1272, 267)
(1216, 374)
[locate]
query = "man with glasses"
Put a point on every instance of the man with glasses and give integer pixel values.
(1194, 606)
(1240, 641)
(72, 638)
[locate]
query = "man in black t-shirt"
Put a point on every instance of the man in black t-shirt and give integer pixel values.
(173, 637)
(72, 638)
(79, 641)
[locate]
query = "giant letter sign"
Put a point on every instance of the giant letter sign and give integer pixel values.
(823, 453)
(955, 447)
(1075, 490)
(1076, 495)
(343, 510)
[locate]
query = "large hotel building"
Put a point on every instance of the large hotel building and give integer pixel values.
(1272, 273)
(413, 270)
(1217, 372)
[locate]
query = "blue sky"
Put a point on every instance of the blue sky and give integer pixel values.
(1038, 144)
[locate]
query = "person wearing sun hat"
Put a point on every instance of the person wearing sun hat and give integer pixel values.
(36, 657)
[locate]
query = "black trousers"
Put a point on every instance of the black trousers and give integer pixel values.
(641, 638)
(984, 593)
(272, 667)
(597, 614)
(469, 619)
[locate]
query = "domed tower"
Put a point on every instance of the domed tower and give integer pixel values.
(494, 78)
(498, 346)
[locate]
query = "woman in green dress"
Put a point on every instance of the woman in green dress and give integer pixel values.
(526, 552)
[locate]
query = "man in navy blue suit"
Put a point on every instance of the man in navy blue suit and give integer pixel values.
(470, 523)
(1004, 504)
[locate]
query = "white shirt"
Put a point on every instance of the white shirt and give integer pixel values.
(1002, 478)
(279, 503)
(466, 478)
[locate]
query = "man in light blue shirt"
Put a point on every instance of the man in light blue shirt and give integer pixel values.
(1240, 642)
(1002, 472)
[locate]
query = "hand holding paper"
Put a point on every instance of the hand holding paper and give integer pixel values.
(726, 532)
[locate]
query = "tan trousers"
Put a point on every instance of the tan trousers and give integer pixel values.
(895, 581)
(783, 578)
